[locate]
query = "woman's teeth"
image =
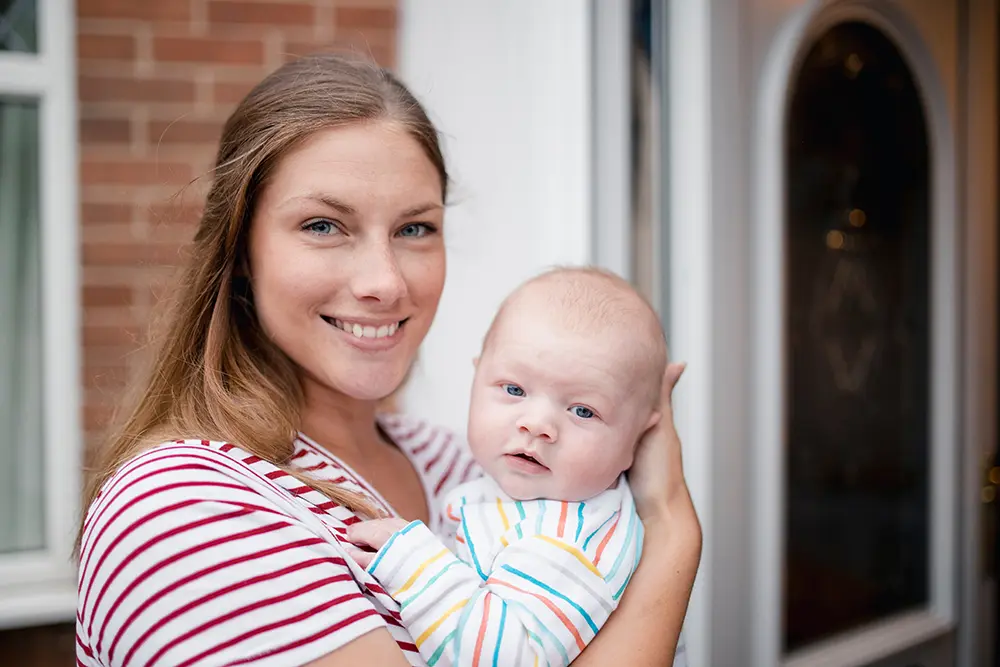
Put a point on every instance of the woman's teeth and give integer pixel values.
(367, 331)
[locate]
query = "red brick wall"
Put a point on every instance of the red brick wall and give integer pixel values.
(156, 81)
(157, 78)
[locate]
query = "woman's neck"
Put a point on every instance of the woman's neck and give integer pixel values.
(345, 426)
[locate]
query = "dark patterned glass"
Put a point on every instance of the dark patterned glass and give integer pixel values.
(19, 25)
(858, 272)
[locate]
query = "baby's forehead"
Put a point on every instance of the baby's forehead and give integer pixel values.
(577, 345)
(586, 304)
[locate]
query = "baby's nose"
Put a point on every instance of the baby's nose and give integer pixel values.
(538, 426)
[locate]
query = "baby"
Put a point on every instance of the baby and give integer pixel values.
(568, 381)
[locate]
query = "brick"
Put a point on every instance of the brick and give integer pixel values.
(230, 93)
(105, 130)
(120, 89)
(112, 317)
(209, 50)
(103, 296)
(128, 337)
(105, 47)
(366, 17)
(103, 213)
(170, 213)
(94, 172)
(176, 233)
(98, 417)
(381, 55)
(136, 254)
(184, 132)
(42, 646)
(142, 10)
(261, 13)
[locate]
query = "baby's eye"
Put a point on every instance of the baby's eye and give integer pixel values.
(320, 227)
(513, 390)
(582, 412)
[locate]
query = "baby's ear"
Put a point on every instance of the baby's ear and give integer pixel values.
(654, 419)
(475, 362)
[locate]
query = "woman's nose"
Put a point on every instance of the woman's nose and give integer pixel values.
(377, 275)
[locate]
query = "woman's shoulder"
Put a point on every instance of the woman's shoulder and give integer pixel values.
(440, 455)
(177, 467)
(193, 541)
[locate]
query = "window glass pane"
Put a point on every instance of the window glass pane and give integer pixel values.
(21, 450)
(856, 543)
(648, 150)
(18, 25)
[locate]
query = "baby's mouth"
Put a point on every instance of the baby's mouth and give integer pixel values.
(528, 459)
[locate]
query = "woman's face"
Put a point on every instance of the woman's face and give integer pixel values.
(347, 257)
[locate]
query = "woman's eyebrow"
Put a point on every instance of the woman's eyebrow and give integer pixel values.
(328, 201)
(346, 209)
(421, 209)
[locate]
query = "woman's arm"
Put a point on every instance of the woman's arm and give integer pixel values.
(375, 648)
(645, 627)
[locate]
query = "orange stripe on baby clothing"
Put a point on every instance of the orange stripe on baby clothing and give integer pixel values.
(607, 538)
(552, 607)
(562, 518)
(482, 632)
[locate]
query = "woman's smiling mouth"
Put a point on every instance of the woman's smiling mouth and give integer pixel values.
(369, 335)
(359, 330)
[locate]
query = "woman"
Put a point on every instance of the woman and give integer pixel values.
(215, 529)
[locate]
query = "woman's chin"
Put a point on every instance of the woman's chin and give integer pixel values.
(369, 385)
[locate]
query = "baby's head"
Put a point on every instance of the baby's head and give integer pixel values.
(568, 380)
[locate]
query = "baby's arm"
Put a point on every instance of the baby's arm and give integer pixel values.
(541, 597)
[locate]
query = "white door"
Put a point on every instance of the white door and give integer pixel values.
(868, 349)
(828, 256)
(866, 331)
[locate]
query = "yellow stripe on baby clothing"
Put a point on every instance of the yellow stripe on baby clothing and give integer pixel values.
(573, 551)
(436, 624)
(418, 571)
(506, 523)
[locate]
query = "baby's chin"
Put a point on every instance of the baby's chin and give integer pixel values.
(525, 490)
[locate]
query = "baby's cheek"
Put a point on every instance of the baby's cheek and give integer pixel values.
(600, 466)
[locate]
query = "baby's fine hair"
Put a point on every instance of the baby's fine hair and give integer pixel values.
(588, 299)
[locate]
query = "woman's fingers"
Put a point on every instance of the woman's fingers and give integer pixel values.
(670, 378)
(656, 473)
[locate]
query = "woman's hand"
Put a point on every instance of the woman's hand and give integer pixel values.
(646, 626)
(657, 476)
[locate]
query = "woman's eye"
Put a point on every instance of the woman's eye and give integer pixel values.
(513, 390)
(320, 227)
(416, 230)
(582, 412)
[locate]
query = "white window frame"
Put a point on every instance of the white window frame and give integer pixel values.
(39, 587)
(891, 636)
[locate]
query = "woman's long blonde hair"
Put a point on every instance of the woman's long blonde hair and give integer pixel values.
(214, 374)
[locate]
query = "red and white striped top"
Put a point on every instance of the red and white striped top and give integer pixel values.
(197, 553)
